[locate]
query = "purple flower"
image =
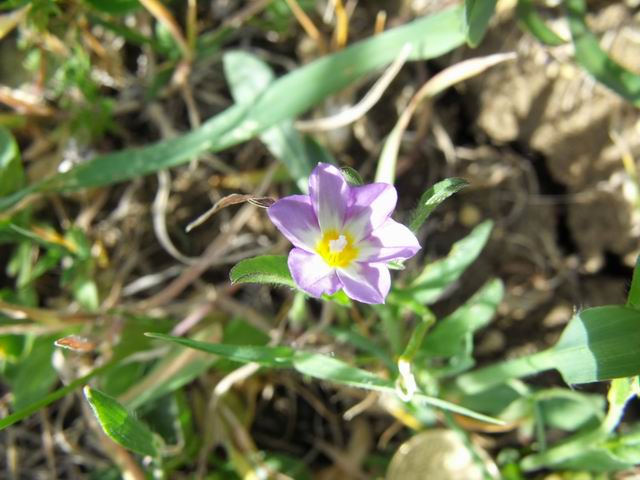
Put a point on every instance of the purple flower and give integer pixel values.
(343, 236)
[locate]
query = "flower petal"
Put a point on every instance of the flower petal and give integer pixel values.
(366, 282)
(370, 205)
(391, 241)
(329, 196)
(295, 218)
(312, 274)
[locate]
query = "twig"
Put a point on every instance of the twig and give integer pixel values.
(308, 25)
(341, 32)
(163, 15)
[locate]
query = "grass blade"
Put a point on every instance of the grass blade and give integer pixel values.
(317, 366)
(594, 60)
(429, 37)
(248, 77)
(267, 356)
(533, 23)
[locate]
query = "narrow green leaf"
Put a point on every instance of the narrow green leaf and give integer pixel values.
(449, 335)
(115, 7)
(485, 378)
(633, 298)
(267, 356)
(352, 176)
(364, 343)
(595, 451)
(334, 370)
(477, 14)
(595, 60)
(12, 175)
(569, 449)
(315, 365)
(599, 344)
(324, 367)
(180, 366)
(534, 24)
(433, 197)
(614, 456)
(568, 410)
(120, 425)
(441, 274)
(426, 321)
(248, 77)
(429, 37)
(271, 269)
(52, 397)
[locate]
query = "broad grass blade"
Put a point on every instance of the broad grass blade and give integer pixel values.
(285, 98)
(248, 78)
(599, 344)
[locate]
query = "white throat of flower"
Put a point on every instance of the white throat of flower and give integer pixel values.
(338, 245)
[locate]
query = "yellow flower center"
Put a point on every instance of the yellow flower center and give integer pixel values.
(336, 248)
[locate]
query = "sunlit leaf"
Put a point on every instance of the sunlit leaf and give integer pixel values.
(599, 344)
(433, 197)
(352, 176)
(272, 269)
(120, 425)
